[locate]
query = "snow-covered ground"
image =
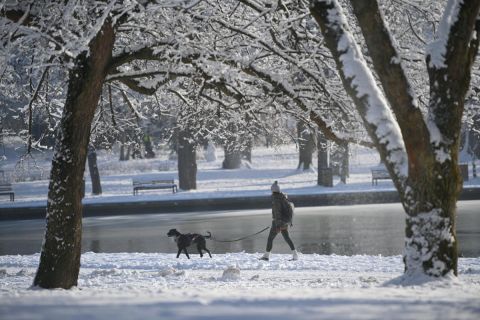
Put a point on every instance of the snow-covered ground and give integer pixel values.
(236, 285)
(267, 165)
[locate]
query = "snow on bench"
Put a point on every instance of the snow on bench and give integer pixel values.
(6, 189)
(154, 184)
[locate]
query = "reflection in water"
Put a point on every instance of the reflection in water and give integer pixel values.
(372, 230)
(313, 232)
(95, 246)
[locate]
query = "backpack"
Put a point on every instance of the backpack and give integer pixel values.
(287, 212)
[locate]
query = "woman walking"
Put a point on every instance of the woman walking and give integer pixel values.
(281, 219)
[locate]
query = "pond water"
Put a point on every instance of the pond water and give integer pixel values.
(342, 230)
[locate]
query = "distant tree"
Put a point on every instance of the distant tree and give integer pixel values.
(233, 157)
(325, 173)
(147, 143)
(345, 163)
(187, 162)
(421, 153)
(306, 145)
(93, 169)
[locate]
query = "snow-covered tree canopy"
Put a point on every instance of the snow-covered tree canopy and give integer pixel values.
(233, 54)
(215, 55)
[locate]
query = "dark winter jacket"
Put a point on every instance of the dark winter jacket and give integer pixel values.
(278, 202)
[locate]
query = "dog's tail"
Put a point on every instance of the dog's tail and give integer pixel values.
(209, 236)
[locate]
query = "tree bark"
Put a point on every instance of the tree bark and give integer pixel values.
(344, 168)
(147, 143)
(233, 158)
(247, 151)
(232, 149)
(94, 173)
(60, 257)
(136, 151)
(129, 152)
(122, 152)
(306, 146)
(187, 162)
(324, 174)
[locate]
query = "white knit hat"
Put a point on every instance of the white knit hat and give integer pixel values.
(275, 187)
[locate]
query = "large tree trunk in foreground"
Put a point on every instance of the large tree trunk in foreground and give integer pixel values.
(187, 162)
(60, 257)
(430, 188)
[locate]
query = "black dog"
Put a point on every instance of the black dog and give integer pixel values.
(185, 240)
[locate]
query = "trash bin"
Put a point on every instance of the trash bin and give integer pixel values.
(325, 177)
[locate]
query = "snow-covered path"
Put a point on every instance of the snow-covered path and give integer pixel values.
(147, 286)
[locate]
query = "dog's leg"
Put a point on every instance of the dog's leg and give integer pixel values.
(179, 251)
(185, 250)
(199, 248)
(208, 251)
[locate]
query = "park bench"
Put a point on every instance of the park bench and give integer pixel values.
(154, 184)
(379, 174)
(6, 189)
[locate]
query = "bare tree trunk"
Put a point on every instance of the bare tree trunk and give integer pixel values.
(344, 169)
(122, 152)
(123, 156)
(129, 152)
(268, 140)
(60, 257)
(306, 144)
(147, 143)
(247, 152)
(94, 173)
(136, 151)
(187, 162)
(233, 158)
(324, 174)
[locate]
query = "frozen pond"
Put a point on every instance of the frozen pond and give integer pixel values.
(345, 230)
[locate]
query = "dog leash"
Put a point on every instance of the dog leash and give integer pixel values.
(250, 235)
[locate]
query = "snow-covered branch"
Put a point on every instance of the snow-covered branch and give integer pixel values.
(361, 86)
